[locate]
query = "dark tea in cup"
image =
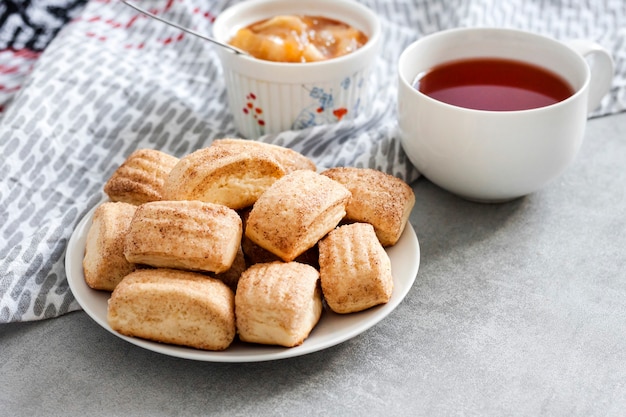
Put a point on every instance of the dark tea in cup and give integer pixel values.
(521, 140)
(493, 84)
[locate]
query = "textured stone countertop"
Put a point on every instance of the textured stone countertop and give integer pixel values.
(518, 309)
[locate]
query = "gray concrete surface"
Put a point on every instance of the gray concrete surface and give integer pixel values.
(519, 309)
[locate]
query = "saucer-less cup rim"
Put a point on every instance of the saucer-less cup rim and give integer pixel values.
(348, 11)
(578, 79)
(497, 155)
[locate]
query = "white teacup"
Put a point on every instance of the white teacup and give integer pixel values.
(496, 156)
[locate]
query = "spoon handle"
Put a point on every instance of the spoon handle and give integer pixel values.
(184, 29)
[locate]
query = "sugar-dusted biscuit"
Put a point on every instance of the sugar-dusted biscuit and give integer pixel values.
(223, 175)
(104, 263)
(185, 235)
(295, 212)
(378, 198)
(255, 254)
(278, 303)
(140, 178)
(231, 276)
(355, 270)
(173, 306)
(290, 159)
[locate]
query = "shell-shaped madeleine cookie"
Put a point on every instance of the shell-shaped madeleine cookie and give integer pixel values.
(277, 303)
(290, 159)
(104, 263)
(172, 306)
(141, 177)
(295, 212)
(185, 235)
(378, 198)
(223, 175)
(355, 270)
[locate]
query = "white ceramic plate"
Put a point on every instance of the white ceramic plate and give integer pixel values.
(331, 330)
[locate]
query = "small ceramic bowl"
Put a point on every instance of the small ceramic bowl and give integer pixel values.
(270, 97)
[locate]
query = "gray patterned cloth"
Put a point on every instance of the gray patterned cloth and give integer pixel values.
(113, 81)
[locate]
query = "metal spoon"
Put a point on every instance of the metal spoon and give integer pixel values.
(184, 29)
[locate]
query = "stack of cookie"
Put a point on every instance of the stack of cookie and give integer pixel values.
(241, 239)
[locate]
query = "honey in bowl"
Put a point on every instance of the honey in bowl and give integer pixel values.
(298, 39)
(493, 84)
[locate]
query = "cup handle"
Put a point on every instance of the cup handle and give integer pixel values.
(601, 66)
